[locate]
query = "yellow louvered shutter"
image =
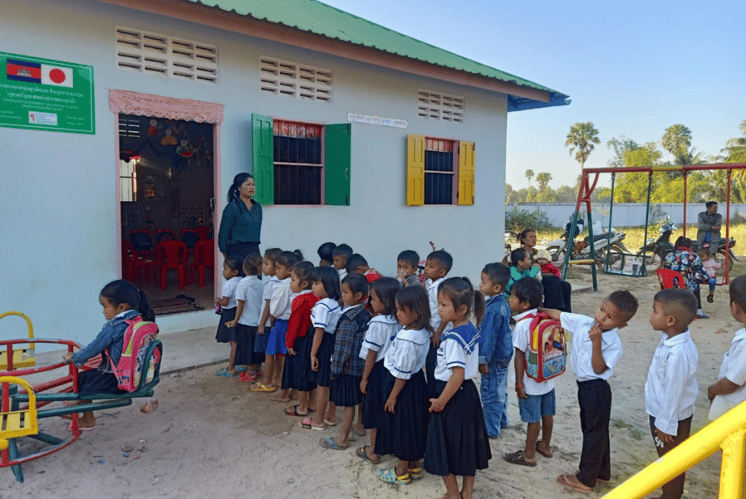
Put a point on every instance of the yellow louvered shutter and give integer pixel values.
(466, 173)
(415, 170)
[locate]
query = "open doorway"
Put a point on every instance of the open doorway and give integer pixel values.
(167, 196)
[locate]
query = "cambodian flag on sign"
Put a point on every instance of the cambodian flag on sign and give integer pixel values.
(33, 72)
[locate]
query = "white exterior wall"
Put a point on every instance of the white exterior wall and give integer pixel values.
(58, 191)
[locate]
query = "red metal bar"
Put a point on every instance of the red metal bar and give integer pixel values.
(685, 175)
(727, 232)
(632, 169)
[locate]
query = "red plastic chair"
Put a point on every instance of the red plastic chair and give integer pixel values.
(204, 256)
(171, 255)
(164, 235)
(132, 263)
(669, 279)
(203, 232)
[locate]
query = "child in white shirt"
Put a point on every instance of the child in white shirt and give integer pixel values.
(730, 390)
(671, 387)
(437, 266)
(248, 310)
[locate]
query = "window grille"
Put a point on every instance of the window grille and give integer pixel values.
(298, 162)
(440, 106)
(166, 56)
(295, 80)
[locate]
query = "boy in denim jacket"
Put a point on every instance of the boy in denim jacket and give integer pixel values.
(495, 348)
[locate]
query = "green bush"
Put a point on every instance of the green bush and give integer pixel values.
(518, 220)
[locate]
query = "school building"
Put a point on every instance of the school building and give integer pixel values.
(123, 123)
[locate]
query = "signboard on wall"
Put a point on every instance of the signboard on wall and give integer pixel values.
(44, 94)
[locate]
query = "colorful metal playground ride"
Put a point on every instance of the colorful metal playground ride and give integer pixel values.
(23, 405)
(618, 259)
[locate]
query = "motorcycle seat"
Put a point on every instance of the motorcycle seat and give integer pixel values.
(597, 237)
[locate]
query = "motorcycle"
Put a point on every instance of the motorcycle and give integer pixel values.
(657, 250)
(603, 243)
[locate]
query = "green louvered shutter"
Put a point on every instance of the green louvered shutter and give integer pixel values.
(262, 159)
(337, 158)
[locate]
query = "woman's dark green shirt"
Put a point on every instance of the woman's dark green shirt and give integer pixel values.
(240, 225)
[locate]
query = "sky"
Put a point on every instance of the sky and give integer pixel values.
(632, 68)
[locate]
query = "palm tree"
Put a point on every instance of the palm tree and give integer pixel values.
(735, 148)
(582, 136)
(676, 140)
(543, 178)
(529, 176)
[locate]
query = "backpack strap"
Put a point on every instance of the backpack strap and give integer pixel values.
(130, 323)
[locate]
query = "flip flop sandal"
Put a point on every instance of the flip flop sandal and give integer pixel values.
(415, 473)
(258, 387)
(359, 433)
(329, 443)
(517, 458)
(545, 454)
(81, 428)
(331, 423)
(566, 481)
(293, 411)
(389, 476)
(710, 299)
(577, 472)
(306, 424)
(240, 369)
(223, 373)
(360, 451)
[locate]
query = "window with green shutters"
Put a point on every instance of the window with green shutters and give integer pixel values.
(297, 163)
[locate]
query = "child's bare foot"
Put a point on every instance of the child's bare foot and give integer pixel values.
(284, 396)
(149, 407)
(359, 430)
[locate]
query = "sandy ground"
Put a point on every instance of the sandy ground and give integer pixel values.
(212, 437)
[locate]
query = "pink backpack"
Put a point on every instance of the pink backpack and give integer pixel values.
(137, 337)
(545, 357)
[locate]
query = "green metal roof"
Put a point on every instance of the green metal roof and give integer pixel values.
(321, 19)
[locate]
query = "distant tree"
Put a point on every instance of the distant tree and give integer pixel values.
(548, 195)
(509, 194)
(582, 136)
(529, 176)
(566, 194)
(543, 179)
(735, 148)
(676, 140)
(619, 146)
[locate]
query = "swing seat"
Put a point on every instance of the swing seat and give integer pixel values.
(19, 423)
(22, 357)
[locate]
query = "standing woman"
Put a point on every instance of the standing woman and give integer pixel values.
(241, 224)
(557, 293)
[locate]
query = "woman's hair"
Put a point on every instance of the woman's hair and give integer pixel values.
(289, 258)
(304, 271)
(325, 251)
(415, 299)
(329, 278)
(385, 289)
(237, 181)
(683, 241)
(523, 234)
(121, 291)
(357, 283)
(517, 255)
(271, 254)
(460, 291)
(252, 264)
(235, 262)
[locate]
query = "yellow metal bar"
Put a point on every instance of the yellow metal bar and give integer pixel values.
(665, 168)
(581, 262)
(22, 357)
(691, 451)
(731, 469)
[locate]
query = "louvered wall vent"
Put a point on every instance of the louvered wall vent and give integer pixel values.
(440, 106)
(166, 56)
(295, 80)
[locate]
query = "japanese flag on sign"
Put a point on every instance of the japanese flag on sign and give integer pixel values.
(56, 75)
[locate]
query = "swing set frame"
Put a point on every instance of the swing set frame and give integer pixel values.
(584, 198)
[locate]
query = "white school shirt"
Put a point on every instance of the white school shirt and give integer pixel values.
(269, 289)
(250, 290)
(432, 297)
(281, 303)
(458, 353)
(229, 290)
(521, 341)
(582, 347)
(734, 368)
(342, 274)
(671, 387)
(326, 314)
(379, 336)
(408, 352)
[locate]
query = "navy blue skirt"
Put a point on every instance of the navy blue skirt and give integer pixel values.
(226, 334)
(94, 382)
(345, 391)
(324, 354)
(260, 342)
(245, 354)
(404, 433)
(457, 441)
(373, 400)
(293, 374)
